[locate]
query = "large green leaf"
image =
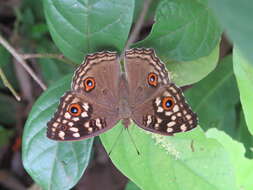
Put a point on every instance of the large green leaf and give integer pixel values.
(82, 26)
(236, 17)
(184, 161)
(183, 30)
(215, 98)
(52, 164)
(189, 72)
(242, 165)
(244, 75)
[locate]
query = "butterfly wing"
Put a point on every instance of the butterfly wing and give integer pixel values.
(157, 105)
(102, 70)
(166, 112)
(140, 63)
(92, 106)
(79, 117)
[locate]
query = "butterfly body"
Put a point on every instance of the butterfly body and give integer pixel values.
(101, 95)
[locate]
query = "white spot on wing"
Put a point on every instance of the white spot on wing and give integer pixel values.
(98, 124)
(188, 116)
(183, 127)
(159, 109)
(84, 114)
(76, 119)
(166, 93)
(158, 101)
(169, 130)
(173, 117)
(149, 120)
(76, 135)
(168, 113)
(159, 120)
(74, 129)
(171, 124)
(61, 134)
(67, 115)
(176, 108)
(86, 106)
(87, 124)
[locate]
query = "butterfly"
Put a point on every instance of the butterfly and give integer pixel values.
(101, 95)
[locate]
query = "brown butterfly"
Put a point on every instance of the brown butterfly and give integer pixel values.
(101, 95)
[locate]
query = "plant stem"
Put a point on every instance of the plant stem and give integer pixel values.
(20, 60)
(49, 55)
(8, 85)
(138, 25)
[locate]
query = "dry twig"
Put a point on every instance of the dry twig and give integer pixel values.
(20, 60)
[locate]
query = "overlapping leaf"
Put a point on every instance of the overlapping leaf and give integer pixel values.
(184, 161)
(244, 75)
(79, 27)
(189, 72)
(242, 165)
(183, 30)
(215, 98)
(53, 165)
(236, 17)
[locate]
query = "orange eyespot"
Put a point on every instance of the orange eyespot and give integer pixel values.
(89, 84)
(75, 110)
(152, 79)
(168, 103)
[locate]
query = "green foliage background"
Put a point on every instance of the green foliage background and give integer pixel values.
(186, 35)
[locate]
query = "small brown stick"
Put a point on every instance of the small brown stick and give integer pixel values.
(20, 60)
(8, 85)
(49, 55)
(138, 25)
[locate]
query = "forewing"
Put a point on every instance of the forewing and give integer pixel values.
(166, 112)
(104, 69)
(89, 119)
(139, 62)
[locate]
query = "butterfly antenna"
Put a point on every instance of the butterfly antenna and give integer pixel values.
(116, 140)
(138, 152)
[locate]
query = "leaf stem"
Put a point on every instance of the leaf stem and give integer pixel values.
(59, 57)
(8, 85)
(138, 25)
(20, 60)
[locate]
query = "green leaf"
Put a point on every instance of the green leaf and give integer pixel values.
(184, 161)
(189, 72)
(4, 135)
(244, 76)
(52, 164)
(79, 27)
(236, 17)
(215, 98)
(242, 165)
(131, 186)
(183, 30)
